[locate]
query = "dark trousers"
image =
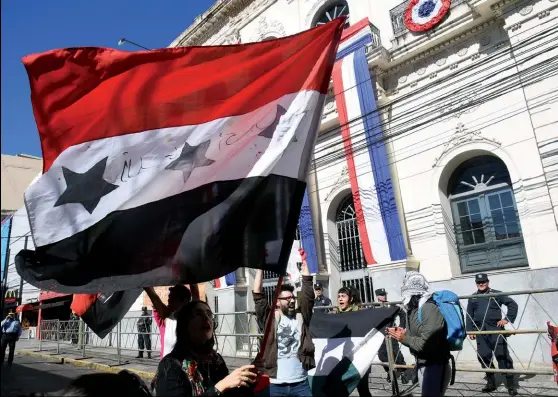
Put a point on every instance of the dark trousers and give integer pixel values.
(363, 388)
(486, 345)
(383, 354)
(144, 341)
(8, 340)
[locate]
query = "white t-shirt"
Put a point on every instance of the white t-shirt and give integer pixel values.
(170, 335)
(289, 367)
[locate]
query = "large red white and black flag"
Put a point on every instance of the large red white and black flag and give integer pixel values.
(102, 312)
(173, 165)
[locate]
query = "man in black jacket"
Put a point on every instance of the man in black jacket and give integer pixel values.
(485, 314)
(381, 296)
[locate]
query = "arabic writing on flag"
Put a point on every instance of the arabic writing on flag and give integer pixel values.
(346, 345)
(173, 165)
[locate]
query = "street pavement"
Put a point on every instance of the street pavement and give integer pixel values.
(105, 359)
(33, 375)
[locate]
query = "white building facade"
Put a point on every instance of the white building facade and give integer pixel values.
(463, 158)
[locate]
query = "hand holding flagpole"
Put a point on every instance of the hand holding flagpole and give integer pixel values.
(304, 269)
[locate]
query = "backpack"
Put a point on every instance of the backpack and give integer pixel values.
(448, 304)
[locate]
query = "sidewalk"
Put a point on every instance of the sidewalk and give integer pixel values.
(106, 360)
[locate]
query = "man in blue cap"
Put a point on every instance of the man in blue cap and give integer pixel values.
(320, 299)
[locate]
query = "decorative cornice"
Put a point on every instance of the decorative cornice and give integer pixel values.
(267, 29)
(236, 13)
(341, 181)
(499, 8)
(528, 15)
(460, 137)
(442, 46)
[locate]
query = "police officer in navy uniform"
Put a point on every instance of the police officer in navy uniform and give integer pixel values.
(144, 333)
(381, 296)
(486, 315)
(320, 299)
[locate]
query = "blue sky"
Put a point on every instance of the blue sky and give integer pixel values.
(32, 26)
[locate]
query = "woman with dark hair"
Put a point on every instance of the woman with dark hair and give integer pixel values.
(193, 367)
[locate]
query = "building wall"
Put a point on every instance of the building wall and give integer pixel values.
(471, 123)
(475, 85)
(464, 56)
(17, 174)
(20, 238)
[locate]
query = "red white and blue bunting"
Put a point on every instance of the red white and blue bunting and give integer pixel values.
(369, 175)
(422, 15)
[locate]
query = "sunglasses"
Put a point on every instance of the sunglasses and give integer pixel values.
(481, 282)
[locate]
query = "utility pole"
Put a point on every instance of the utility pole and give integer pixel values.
(5, 281)
(20, 295)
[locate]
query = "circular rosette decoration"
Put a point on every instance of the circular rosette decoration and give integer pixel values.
(422, 15)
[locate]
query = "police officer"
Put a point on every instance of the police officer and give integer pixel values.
(320, 299)
(381, 296)
(144, 333)
(486, 315)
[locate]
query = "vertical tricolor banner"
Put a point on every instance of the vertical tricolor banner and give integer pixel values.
(365, 152)
(307, 234)
(226, 281)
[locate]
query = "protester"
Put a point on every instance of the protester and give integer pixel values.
(74, 328)
(348, 300)
(289, 352)
(193, 367)
(381, 296)
(144, 333)
(164, 315)
(486, 315)
(426, 338)
(320, 299)
(11, 331)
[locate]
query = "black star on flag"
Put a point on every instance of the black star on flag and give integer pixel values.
(86, 189)
(190, 158)
(270, 129)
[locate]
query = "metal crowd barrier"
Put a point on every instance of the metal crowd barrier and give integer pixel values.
(238, 335)
(524, 370)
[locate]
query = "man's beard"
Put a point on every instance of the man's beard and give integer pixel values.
(288, 311)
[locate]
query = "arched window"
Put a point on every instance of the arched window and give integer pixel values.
(487, 229)
(333, 10)
(351, 256)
